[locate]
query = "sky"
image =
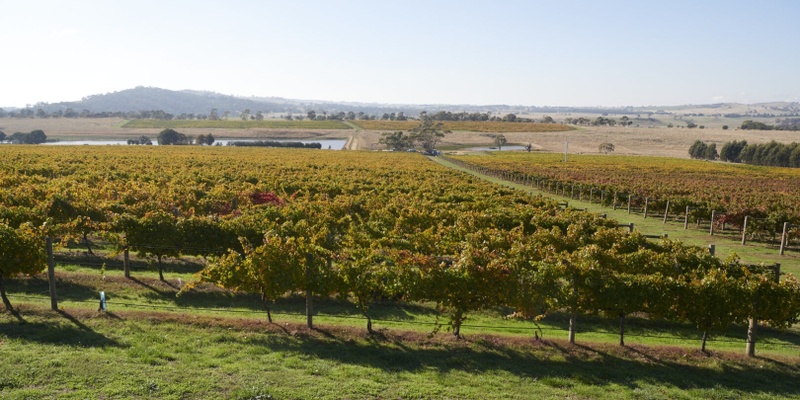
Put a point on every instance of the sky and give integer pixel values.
(533, 53)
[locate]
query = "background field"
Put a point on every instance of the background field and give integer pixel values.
(234, 124)
(481, 126)
(660, 141)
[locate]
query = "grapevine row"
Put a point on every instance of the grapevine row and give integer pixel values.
(701, 192)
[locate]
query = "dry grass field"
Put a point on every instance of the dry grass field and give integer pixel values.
(659, 141)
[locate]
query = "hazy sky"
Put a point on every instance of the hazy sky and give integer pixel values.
(578, 53)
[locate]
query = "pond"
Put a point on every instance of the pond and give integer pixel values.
(505, 148)
(333, 144)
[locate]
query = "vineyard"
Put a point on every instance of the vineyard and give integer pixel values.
(371, 227)
(234, 124)
(710, 193)
(472, 126)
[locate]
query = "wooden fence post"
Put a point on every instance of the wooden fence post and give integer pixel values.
(666, 212)
(744, 230)
(51, 273)
(751, 337)
(785, 236)
(646, 200)
(686, 219)
(126, 262)
(629, 204)
(711, 231)
(712, 249)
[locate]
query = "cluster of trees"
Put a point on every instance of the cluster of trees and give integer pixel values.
(599, 121)
(485, 116)
(427, 135)
(606, 148)
(36, 136)
(205, 139)
(273, 143)
(141, 140)
(702, 151)
(172, 137)
(772, 154)
(347, 116)
(786, 124)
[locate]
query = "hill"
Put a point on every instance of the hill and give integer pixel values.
(173, 102)
(202, 102)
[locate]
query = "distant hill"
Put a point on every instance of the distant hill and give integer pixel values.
(173, 102)
(202, 102)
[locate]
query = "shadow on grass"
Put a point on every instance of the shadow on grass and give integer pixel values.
(551, 363)
(171, 265)
(153, 293)
(71, 333)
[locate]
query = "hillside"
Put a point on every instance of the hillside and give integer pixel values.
(201, 102)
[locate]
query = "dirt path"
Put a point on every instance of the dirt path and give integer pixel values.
(356, 139)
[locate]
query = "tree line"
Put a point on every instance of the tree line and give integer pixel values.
(771, 154)
(36, 136)
(786, 124)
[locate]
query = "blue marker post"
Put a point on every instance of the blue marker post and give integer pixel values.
(102, 302)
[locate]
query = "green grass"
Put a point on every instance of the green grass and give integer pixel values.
(211, 343)
(78, 286)
(84, 354)
(235, 124)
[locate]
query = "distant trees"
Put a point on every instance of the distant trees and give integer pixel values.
(397, 141)
(772, 154)
(702, 151)
(206, 139)
(33, 137)
(755, 125)
(2, 136)
(171, 137)
(428, 133)
(786, 124)
(606, 148)
(141, 140)
(731, 151)
(499, 141)
(711, 152)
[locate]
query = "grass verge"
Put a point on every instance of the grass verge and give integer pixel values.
(76, 353)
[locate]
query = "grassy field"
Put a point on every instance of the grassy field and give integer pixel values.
(234, 124)
(210, 343)
(643, 140)
(470, 126)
